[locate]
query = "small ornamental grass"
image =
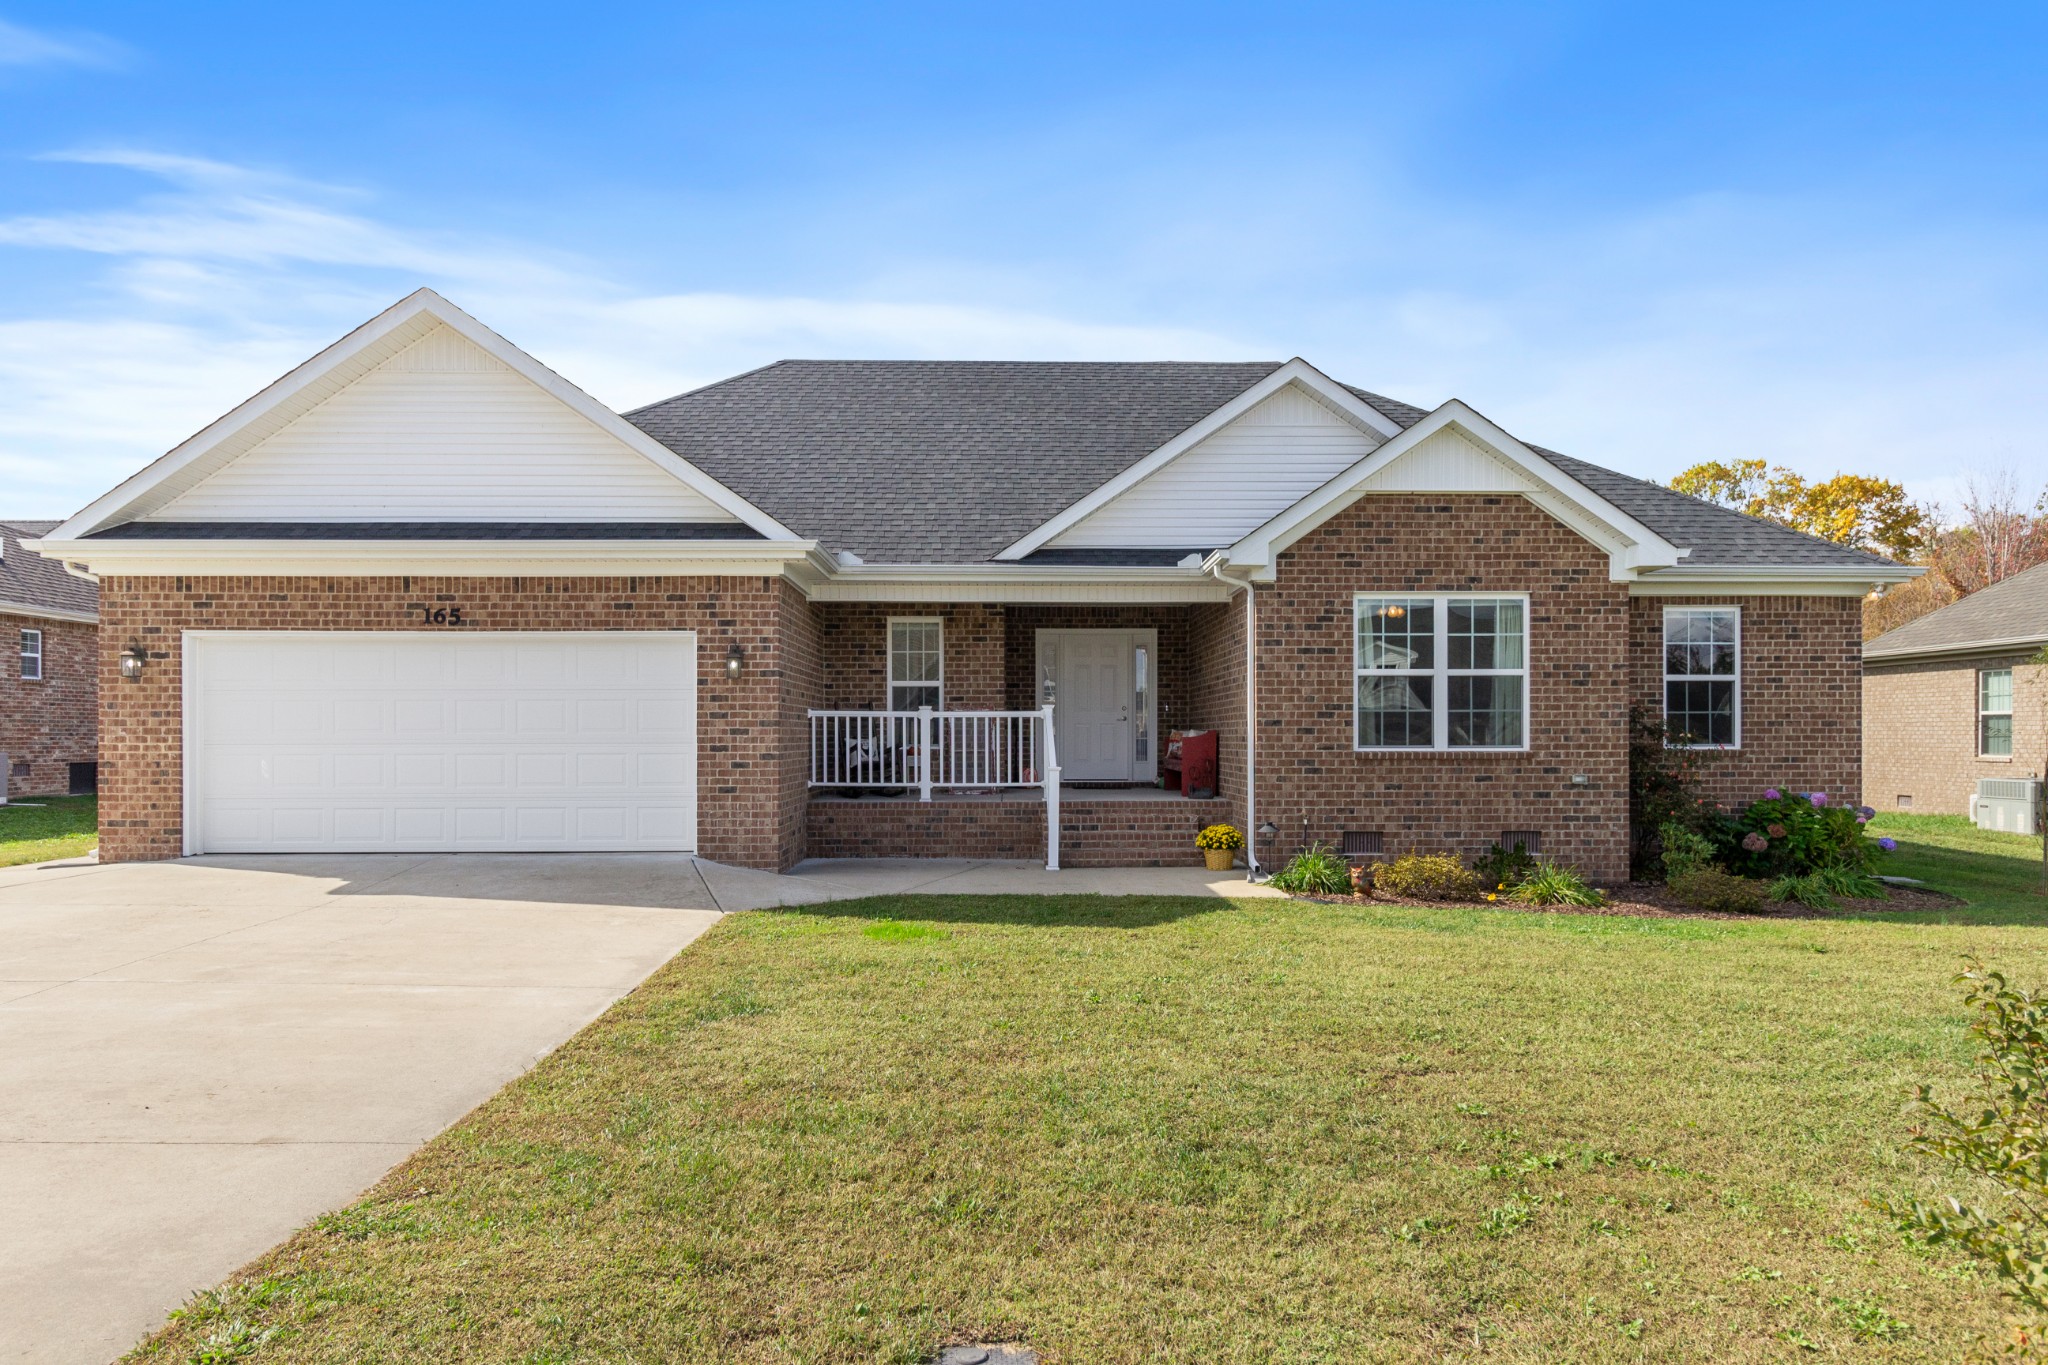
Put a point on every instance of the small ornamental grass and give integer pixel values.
(1428, 877)
(1315, 871)
(1220, 837)
(1553, 883)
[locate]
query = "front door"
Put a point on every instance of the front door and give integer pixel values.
(1100, 686)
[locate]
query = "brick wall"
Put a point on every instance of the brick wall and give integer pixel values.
(1802, 693)
(1216, 694)
(1309, 769)
(1143, 833)
(47, 725)
(1920, 731)
(750, 808)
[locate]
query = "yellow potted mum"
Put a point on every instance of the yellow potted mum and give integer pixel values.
(1219, 845)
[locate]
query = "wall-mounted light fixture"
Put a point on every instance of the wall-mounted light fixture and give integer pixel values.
(133, 660)
(735, 662)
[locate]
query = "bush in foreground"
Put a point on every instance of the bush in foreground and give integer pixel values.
(1552, 883)
(1709, 888)
(1315, 871)
(1428, 877)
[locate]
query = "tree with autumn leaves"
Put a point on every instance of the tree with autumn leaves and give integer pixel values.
(1996, 535)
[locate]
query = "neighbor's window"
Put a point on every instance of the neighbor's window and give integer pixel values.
(1703, 676)
(1994, 713)
(32, 654)
(916, 663)
(1447, 672)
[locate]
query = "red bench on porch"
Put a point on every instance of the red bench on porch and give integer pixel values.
(1189, 763)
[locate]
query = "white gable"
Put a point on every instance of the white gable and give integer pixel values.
(1231, 482)
(1449, 461)
(441, 431)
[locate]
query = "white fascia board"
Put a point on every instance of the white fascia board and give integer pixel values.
(89, 618)
(1771, 580)
(998, 583)
(404, 316)
(1631, 546)
(801, 560)
(1296, 371)
(1955, 653)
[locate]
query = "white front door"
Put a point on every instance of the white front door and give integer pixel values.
(443, 741)
(1101, 690)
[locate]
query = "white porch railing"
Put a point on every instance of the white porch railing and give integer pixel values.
(936, 750)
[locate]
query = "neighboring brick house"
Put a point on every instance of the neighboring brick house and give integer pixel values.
(1955, 697)
(49, 670)
(422, 593)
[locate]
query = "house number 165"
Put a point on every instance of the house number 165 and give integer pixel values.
(441, 616)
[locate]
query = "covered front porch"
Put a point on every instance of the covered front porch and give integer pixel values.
(1031, 730)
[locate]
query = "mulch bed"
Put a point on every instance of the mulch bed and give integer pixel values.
(1653, 900)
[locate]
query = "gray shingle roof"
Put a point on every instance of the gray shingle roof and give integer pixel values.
(427, 530)
(2013, 610)
(950, 461)
(26, 577)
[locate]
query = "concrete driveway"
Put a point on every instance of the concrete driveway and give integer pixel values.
(198, 1057)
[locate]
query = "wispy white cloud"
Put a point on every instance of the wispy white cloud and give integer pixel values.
(20, 46)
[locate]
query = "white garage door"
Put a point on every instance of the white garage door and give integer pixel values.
(438, 741)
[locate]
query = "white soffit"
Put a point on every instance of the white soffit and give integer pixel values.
(1227, 484)
(421, 414)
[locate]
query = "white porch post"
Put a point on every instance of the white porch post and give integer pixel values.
(1052, 793)
(924, 752)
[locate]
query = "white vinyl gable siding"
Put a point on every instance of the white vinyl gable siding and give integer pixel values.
(442, 431)
(1229, 484)
(1449, 462)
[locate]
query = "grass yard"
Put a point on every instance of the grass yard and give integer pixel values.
(40, 828)
(1174, 1130)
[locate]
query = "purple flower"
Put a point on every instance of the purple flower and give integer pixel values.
(1887, 844)
(1755, 843)
(1862, 819)
(1773, 794)
(1817, 798)
(1866, 811)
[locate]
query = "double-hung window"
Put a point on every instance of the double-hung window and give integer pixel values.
(1703, 677)
(1994, 713)
(1442, 672)
(32, 654)
(916, 663)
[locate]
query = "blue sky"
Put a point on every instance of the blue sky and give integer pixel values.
(1645, 235)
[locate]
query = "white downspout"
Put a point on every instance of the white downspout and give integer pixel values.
(1251, 713)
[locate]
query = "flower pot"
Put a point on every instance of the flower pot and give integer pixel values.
(1219, 859)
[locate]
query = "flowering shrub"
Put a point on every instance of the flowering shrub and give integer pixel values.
(1220, 836)
(1796, 834)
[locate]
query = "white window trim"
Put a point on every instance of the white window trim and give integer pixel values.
(1978, 679)
(27, 676)
(889, 680)
(1440, 710)
(1667, 677)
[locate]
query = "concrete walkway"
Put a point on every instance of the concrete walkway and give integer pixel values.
(198, 1057)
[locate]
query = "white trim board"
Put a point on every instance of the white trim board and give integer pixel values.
(308, 385)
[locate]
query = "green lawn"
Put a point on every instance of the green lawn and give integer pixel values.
(44, 827)
(1173, 1130)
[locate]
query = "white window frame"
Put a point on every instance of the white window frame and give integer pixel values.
(2005, 757)
(1441, 674)
(27, 654)
(891, 681)
(1668, 677)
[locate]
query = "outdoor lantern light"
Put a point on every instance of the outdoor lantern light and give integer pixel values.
(1268, 830)
(735, 661)
(133, 660)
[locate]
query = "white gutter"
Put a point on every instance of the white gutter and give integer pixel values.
(1214, 564)
(48, 613)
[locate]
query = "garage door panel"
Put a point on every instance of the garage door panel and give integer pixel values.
(367, 741)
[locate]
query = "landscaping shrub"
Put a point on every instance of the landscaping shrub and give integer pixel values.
(1315, 871)
(1504, 868)
(1710, 888)
(1663, 788)
(1552, 883)
(1795, 834)
(1997, 1135)
(1685, 849)
(1808, 891)
(1428, 877)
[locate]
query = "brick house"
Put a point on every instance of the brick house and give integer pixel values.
(422, 593)
(1954, 697)
(49, 675)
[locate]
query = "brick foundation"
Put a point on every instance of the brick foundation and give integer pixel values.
(50, 723)
(1093, 833)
